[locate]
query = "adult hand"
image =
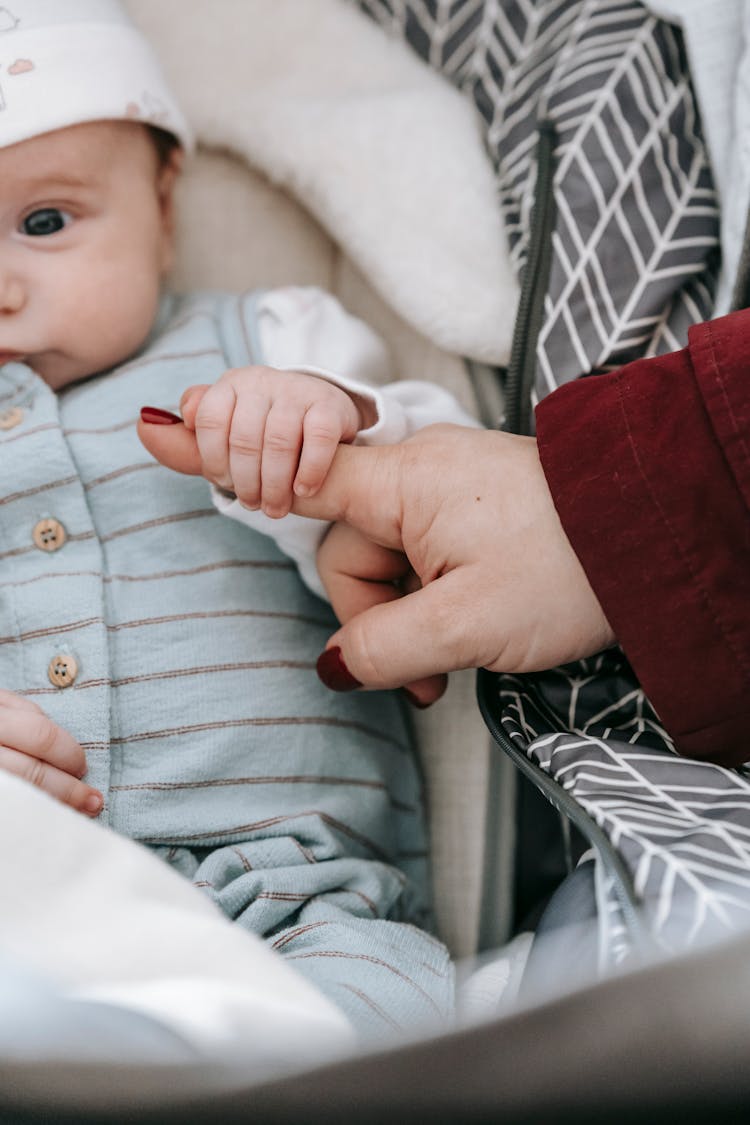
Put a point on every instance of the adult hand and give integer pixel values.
(269, 435)
(461, 519)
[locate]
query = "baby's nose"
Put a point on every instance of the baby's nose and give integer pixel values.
(12, 293)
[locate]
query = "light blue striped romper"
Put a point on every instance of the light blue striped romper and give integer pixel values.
(299, 810)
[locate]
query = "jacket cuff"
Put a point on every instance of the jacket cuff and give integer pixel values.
(720, 353)
(653, 510)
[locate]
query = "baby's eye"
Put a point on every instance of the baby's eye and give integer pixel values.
(47, 220)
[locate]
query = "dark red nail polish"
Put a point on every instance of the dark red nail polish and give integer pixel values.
(334, 673)
(415, 700)
(159, 417)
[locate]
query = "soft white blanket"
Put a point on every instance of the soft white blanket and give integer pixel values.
(383, 151)
(90, 916)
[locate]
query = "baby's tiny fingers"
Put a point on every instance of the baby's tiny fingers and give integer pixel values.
(190, 401)
(19, 702)
(57, 783)
(321, 436)
(213, 421)
(281, 450)
(31, 732)
(246, 447)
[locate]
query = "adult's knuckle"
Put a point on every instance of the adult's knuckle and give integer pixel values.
(371, 662)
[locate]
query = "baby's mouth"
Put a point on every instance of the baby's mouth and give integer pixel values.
(10, 357)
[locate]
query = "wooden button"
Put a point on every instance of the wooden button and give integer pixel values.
(62, 670)
(11, 418)
(49, 535)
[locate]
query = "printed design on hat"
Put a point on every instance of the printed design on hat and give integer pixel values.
(8, 22)
(151, 108)
(21, 66)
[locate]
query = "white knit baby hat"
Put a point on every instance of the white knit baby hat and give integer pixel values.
(64, 62)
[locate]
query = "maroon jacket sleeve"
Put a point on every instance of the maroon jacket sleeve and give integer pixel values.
(649, 468)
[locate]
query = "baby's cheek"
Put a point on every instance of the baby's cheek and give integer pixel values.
(120, 314)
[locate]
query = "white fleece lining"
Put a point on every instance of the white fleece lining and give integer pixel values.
(385, 153)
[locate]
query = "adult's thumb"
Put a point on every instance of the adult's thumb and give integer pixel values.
(396, 643)
(168, 440)
(359, 576)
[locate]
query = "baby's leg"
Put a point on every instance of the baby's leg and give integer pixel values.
(336, 920)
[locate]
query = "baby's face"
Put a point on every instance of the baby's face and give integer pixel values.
(84, 242)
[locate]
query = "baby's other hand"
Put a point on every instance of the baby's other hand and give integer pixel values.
(39, 751)
(269, 435)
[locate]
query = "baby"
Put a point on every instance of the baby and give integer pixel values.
(156, 659)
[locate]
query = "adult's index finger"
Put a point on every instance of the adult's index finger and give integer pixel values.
(364, 488)
(172, 445)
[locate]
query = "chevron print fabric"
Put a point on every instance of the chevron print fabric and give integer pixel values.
(682, 828)
(634, 260)
(635, 246)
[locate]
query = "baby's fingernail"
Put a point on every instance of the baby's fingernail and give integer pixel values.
(333, 671)
(93, 803)
(157, 417)
(415, 700)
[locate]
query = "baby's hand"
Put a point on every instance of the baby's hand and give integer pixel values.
(269, 435)
(38, 750)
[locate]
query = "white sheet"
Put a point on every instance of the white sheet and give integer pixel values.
(99, 918)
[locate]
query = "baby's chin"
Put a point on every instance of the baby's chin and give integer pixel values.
(59, 370)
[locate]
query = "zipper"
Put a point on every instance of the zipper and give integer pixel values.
(518, 419)
(570, 808)
(522, 365)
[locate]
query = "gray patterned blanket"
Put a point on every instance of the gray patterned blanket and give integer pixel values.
(612, 219)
